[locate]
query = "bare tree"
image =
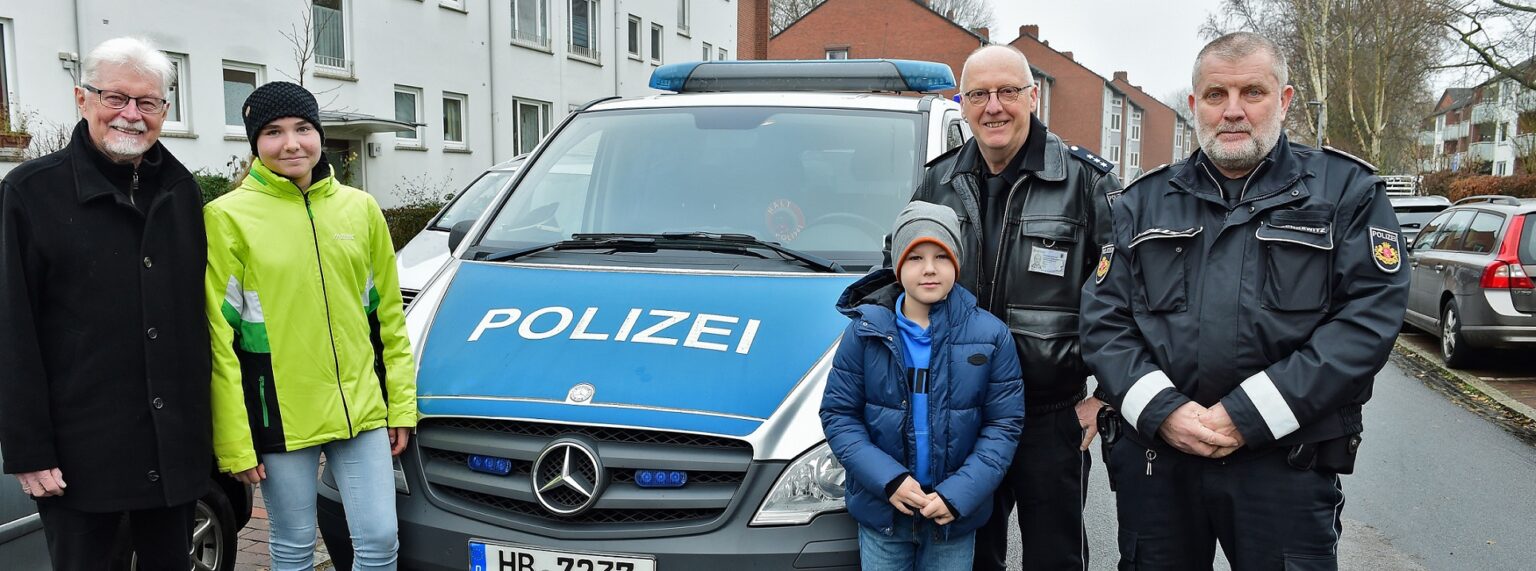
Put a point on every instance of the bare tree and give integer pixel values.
(970, 14)
(1498, 35)
(1179, 101)
(301, 36)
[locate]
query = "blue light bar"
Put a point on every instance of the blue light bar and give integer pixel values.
(660, 478)
(489, 464)
(854, 75)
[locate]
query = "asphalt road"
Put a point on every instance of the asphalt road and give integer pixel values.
(1436, 487)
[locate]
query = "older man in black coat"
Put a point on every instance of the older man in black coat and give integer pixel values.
(104, 405)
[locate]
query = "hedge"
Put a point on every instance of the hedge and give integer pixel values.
(1519, 186)
(407, 221)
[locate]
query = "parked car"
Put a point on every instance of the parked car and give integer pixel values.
(1413, 211)
(426, 253)
(621, 366)
(219, 516)
(1471, 277)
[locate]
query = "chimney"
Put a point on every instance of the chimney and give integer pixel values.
(752, 29)
(984, 33)
(1069, 56)
(1030, 30)
(1121, 76)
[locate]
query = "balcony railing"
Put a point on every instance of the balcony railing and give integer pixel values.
(1491, 113)
(1481, 151)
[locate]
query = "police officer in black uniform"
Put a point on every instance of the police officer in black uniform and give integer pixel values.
(1236, 324)
(1034, 213)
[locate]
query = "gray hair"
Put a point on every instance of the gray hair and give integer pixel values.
(1238, 45)
(134, 54)
(1023, 61)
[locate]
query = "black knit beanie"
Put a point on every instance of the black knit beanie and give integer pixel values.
(275, 101)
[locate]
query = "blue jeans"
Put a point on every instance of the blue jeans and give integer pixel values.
(921, 549)
(366, 478)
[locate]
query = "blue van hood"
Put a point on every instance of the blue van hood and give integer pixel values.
(704, 352)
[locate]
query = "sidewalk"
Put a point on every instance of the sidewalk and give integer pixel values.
(251, 551)
(1505, 379)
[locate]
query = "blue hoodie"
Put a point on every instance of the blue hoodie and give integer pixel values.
(975, 409)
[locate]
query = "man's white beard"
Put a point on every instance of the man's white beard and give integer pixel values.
(1248, 154)
(122, 144)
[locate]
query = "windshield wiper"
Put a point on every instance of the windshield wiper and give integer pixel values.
(706, 241)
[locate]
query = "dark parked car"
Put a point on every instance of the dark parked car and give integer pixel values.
(1471, 281)
(1414, 211)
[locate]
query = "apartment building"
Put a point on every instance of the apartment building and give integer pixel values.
(1490, 127)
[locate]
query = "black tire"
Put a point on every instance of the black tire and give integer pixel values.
(1454, 348)
(214, 536)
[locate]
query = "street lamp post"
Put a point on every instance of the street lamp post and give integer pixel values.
(1320, 112)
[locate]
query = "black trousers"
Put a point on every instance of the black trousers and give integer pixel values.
(81, 541)
(1048, 482)
(1265, 514)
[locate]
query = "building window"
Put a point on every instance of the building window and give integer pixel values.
(584, 28)
(708, 51)
(1112, 154)
(454, 106)
(634, 36)
(530, 22)
(240, 79)
(1116, 114)
(532, 124)
(176, 115)
(455, 4)
(1136, 125)
(408, 110)
(724, 55)
(331, 33)
(656, 33)
(683, 17)
(838, 53)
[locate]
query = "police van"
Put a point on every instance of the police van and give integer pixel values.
(622, 367)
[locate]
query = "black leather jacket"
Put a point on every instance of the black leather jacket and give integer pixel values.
(1281, 306)
(1061, 209)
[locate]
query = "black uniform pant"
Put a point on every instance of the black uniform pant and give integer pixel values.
(1048, 482)
(82, 541)
(1265, 513)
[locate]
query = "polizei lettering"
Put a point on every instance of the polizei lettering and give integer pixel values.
(655, 327)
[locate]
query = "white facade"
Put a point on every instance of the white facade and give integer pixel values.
(484, 83)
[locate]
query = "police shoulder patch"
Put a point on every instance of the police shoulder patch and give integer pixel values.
(1106, 257)
(1386, 251)
(1090, 158)
(1362, 162)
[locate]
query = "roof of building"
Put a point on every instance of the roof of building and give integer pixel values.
(973, 33)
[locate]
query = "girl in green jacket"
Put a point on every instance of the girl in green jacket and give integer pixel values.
(308, 329)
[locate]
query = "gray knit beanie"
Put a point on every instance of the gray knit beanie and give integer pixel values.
(277, 100)
(925, 222)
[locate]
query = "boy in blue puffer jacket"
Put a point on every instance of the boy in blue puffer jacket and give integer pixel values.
(924, 403)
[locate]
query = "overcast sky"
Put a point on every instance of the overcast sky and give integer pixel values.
(1154, 40)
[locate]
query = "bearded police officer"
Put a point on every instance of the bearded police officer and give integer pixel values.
(1236, 323)
(1034, 212)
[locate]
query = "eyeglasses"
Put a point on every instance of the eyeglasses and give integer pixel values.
(119, 100)
(1005, 94)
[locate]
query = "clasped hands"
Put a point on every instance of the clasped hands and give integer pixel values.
(1208, 432)
(909, 497)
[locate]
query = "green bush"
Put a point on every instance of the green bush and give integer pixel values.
(213, 184)
(1520, 186)
(406, 221)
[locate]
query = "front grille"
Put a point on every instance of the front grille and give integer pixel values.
(716, 468)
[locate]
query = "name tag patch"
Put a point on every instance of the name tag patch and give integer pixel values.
(1047, 261)
(1385, 250)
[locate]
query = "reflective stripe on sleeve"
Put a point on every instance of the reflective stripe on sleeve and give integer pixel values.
(1270, 404)
(1141, 394)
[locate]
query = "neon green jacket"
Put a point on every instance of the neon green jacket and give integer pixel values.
(307, 324)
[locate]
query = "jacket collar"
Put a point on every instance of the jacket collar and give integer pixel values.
(873, 299)
(1276, 172)
(97, 176)
(262, 179)
(1052, 161)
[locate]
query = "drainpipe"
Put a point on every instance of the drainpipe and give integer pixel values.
(490, 46)
(618, 82)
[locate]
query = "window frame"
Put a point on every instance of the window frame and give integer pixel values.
(684, 17)
(1116, 114)
(457, 5)
(831, 52)
(541, 38)
(346, 41)
(722, 54)
(179, 99)
(462, 144)
(238, 130)
(544, 108)
(594, 51)
(405, 142)
(708, 51)
(635, 25)
(658, 32)
(1135, 134)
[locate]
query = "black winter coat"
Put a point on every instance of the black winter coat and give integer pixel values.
(104, 355)
(1064, 209)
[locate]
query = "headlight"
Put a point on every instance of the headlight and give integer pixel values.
(810, 486)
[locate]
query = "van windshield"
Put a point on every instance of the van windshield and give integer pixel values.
(823, 181)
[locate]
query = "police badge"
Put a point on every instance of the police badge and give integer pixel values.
(1106, 255)
(1385, 250)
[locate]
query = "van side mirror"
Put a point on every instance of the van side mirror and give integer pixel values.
(457, 232)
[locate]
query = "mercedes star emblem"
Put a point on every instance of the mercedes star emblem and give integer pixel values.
(568, 477)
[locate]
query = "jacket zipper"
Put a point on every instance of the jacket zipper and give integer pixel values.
(261, 394)
(329, 329)
(1002, 239)
(133, 187)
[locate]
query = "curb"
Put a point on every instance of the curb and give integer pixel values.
(1432, 362)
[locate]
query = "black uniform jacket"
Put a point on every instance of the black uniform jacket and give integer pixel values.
(1055, 221)
(1282, 307)
(104, 355)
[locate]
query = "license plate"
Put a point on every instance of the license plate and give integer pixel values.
(505, 557)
